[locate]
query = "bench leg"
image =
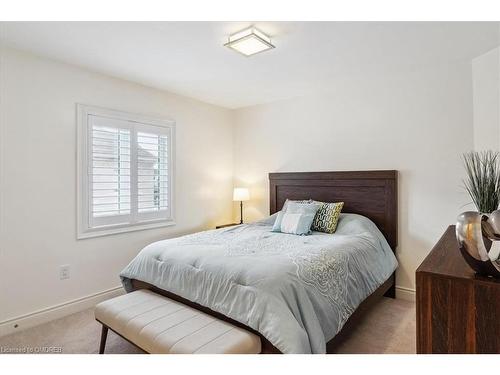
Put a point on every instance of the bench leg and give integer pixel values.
(104, 335)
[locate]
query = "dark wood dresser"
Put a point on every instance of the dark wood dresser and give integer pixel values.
(457, 311)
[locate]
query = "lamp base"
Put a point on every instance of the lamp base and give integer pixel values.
(241, 212)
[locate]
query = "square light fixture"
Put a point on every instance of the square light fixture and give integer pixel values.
(249, 41)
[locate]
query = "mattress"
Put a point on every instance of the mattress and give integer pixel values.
(297, 291)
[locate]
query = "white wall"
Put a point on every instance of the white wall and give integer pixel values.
(38, 177)
(486, 100)
(418, 123)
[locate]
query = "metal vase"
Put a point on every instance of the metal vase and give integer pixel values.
(475, 234)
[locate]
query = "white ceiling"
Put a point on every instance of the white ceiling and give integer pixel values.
(188, 58)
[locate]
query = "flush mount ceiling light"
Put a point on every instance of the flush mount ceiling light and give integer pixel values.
(249, 41)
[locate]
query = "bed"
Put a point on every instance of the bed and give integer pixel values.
(300, 294)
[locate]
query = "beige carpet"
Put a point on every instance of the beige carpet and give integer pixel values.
(388, 328)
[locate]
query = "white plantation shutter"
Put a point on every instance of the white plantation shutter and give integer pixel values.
(128, 180)
(109, 171)
(152, 172)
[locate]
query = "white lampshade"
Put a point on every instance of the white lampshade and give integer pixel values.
(241, 194)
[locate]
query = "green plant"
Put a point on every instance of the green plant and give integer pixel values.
(483, 179)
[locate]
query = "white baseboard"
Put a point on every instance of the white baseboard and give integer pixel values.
(55, 312)
(407, 294)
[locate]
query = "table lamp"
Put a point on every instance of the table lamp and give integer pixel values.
(241, 194)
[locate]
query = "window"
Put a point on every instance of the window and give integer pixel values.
(125, 172)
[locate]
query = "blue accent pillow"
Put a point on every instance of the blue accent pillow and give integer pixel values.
(288, 201)
(277, 222)
(301, 207)
(296, 218)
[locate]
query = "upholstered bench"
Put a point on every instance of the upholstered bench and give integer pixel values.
(157, 324)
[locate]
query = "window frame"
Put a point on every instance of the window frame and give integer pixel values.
(84, 227)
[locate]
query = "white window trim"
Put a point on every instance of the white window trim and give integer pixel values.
(84, 230)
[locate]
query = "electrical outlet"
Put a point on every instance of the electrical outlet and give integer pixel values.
(64, 272)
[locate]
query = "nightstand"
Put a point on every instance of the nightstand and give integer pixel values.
(226, 225)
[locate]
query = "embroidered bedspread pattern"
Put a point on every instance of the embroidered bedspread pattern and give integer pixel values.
(297, 291)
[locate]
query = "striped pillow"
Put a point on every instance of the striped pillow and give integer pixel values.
(327, 217)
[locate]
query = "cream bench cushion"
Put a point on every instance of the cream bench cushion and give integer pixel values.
(158, 324)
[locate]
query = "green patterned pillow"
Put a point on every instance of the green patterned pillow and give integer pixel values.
(327, 217)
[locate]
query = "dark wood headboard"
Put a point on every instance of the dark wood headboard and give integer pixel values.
(369, 193)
